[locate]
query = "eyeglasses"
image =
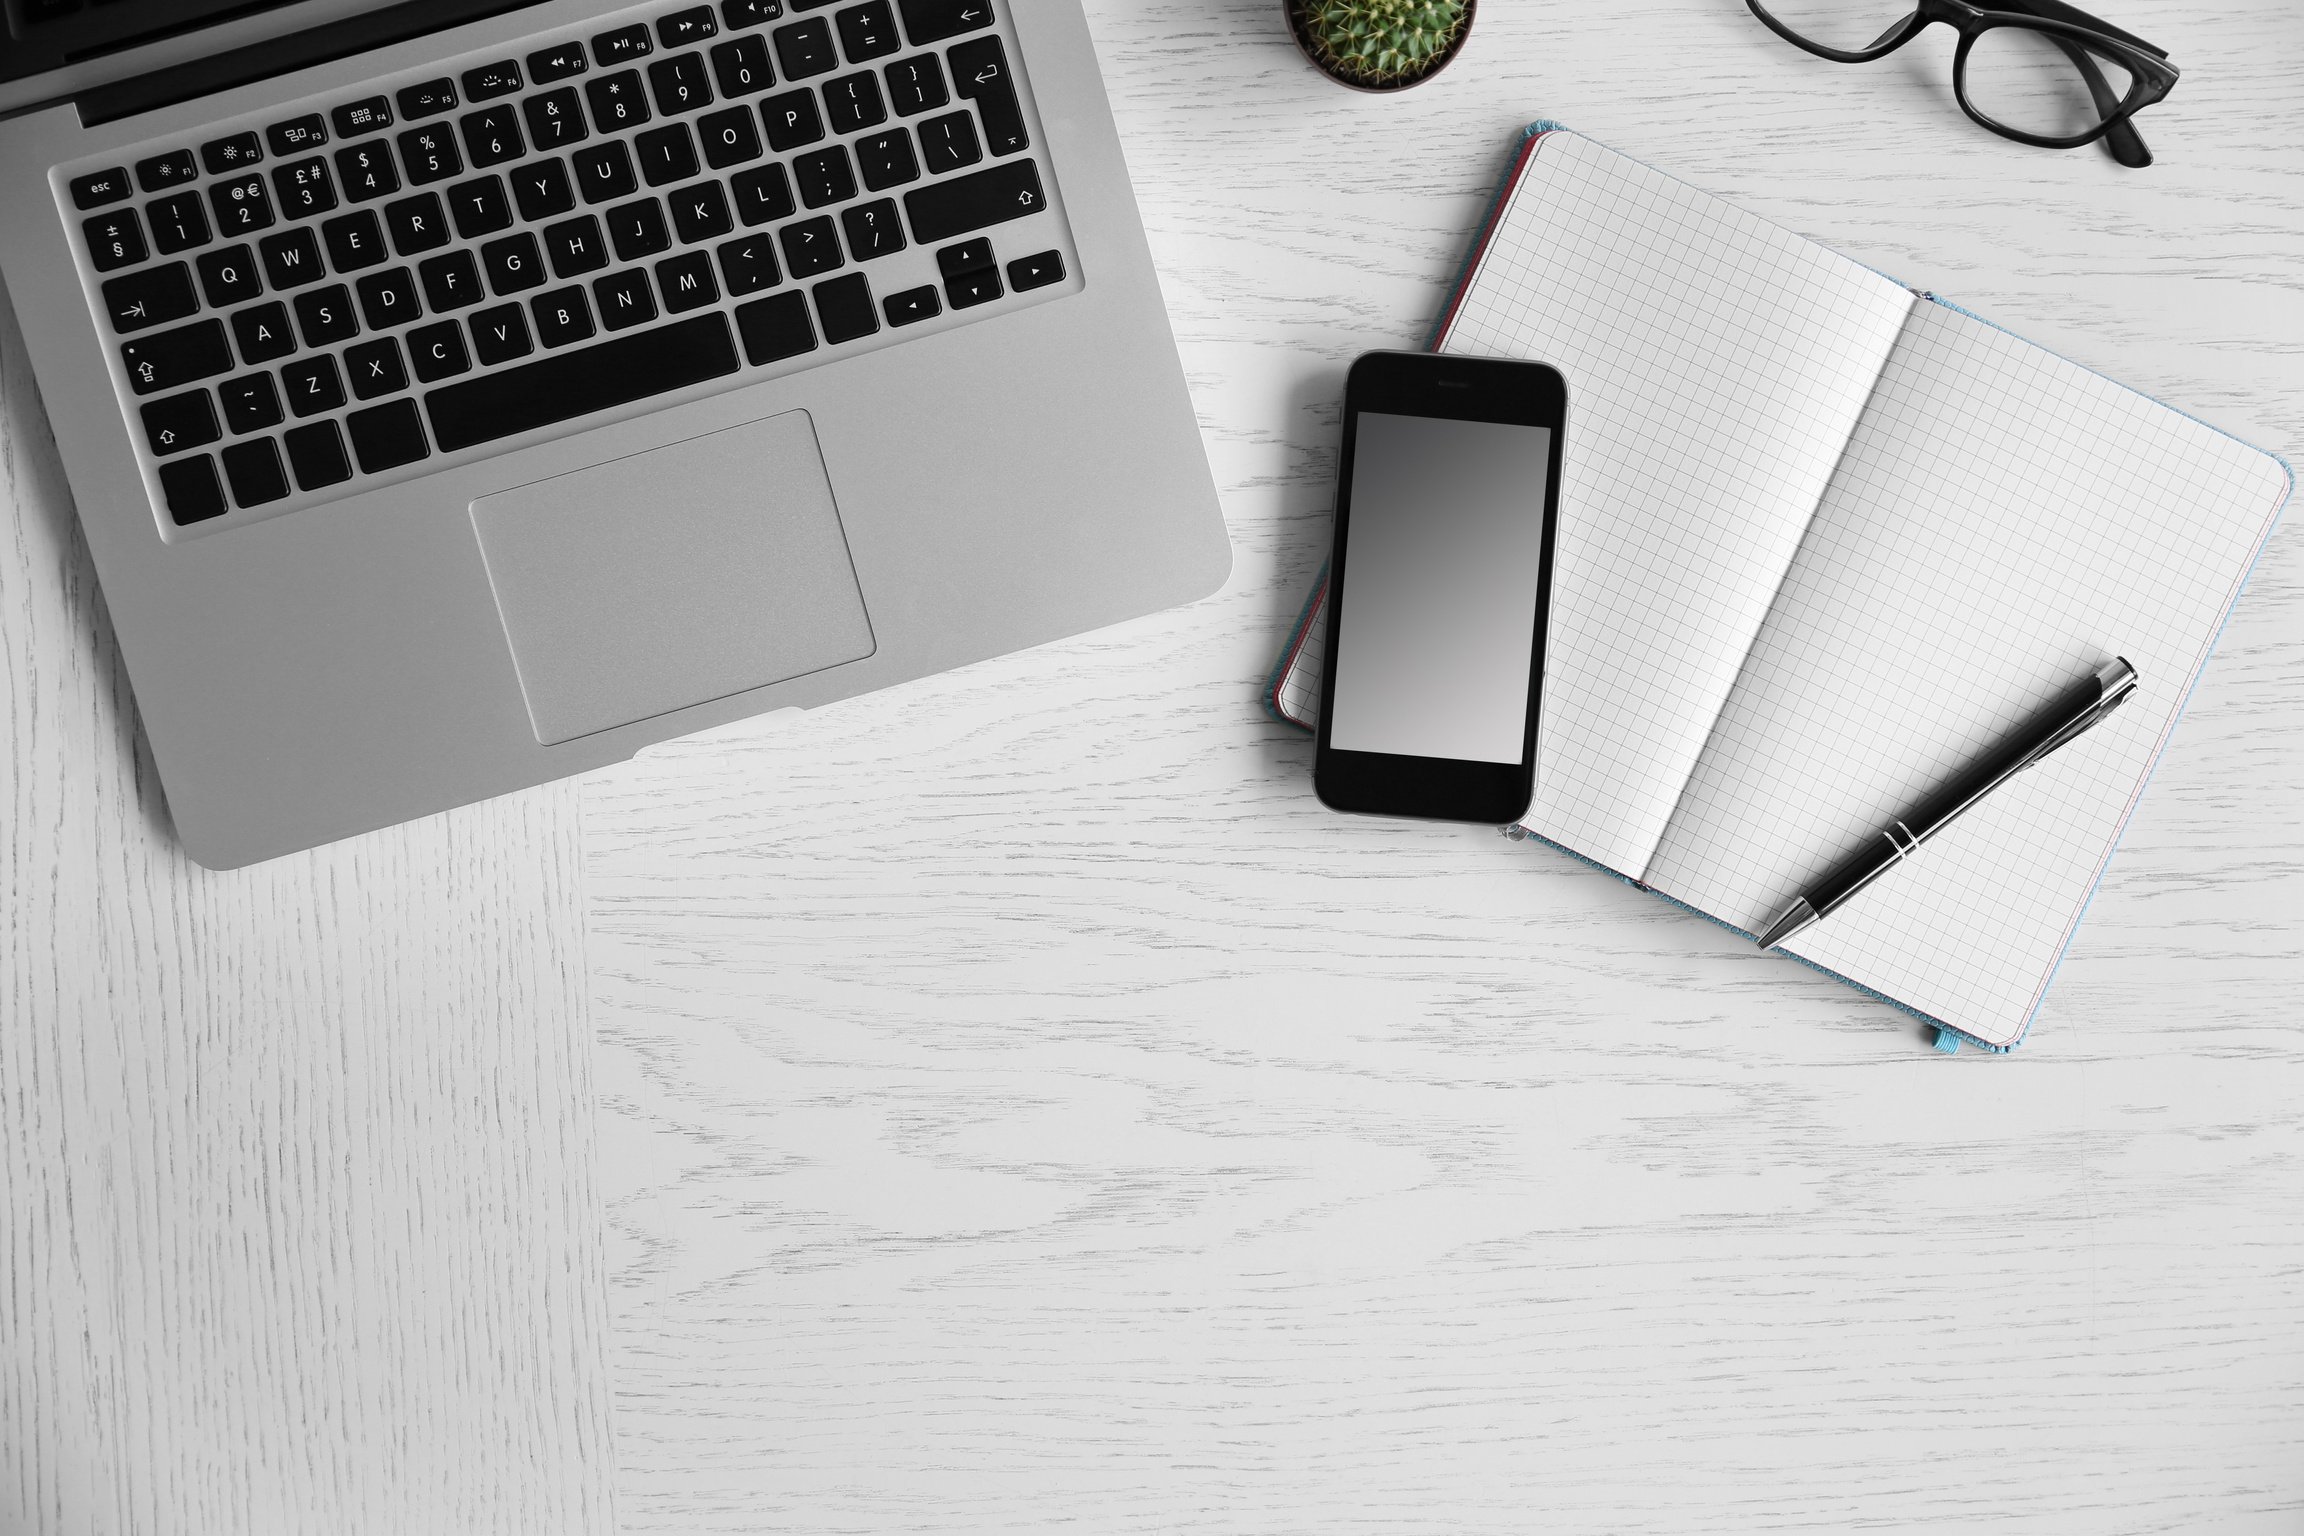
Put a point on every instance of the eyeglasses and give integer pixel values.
(2036, 71)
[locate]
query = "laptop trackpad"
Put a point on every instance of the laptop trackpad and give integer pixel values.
(682, 574)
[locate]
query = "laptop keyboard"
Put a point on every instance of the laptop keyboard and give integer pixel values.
(359, 289)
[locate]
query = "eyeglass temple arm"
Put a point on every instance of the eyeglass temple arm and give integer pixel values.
(2057, 10)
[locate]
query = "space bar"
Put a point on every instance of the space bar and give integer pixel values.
(579, 382)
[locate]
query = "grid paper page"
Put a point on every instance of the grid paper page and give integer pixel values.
(1716, 365)
(2004, 522)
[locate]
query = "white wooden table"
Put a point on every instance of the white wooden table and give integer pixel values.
(1010, 1102)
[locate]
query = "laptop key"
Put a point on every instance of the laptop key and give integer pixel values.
(563, 318)
(291, 258)
(966, 290)
(686, 282)
(255, 471)
(450, 282)
(853, 102)
(429, 99)
(355, 118)
(555, 119)
(229, 277)
(681, 28)
(775, 328)
(97, 188)
(180, 422)
(975, 201)
(886, 159)
(386, 436)
(666, 154)
(912, 306)
(750, 13)
(605, 171)
(804, 48)
(810, 246)
(182, 356)
(430, 153)
(1029, 272)
(297, 135)
(844, 306)
(566, 385)
(305, 188)
(355, 241)
(559, 62)
(514, 264)
(164, 172)
(493, 137)
(192, 491)
(622, 45)
(224, 156)
(730, 138)
(376, 368)
(576, 246)
(263, 333)
(749, 265)
(638, 229)
(625, 299)
(324, 316)
(418, 224)
(480, 206)
(541, 189)
(388, 299)
(980, 74)
(932, 21)
(316, 453)
(916, 85)
(824, 177)
(367, 171)
(867, 31)
(873, 229)
(501, 334)
(741, 66)
(251, 402)
(700, 213)
(137, 301)
(617, 101)
(115, 240)
(437, 352)
(791, 120)
(949, 142)
(178, 223)
(680, 84)
(490, 81)
(242, 206)
(763, 196)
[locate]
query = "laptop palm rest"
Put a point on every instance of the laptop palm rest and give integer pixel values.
(672, 577)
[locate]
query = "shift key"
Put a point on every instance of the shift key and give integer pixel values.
(943, 209)
(177, 357)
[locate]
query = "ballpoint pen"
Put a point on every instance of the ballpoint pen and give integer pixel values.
(2072, 712)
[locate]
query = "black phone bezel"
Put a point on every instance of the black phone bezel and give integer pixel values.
(1453, 389)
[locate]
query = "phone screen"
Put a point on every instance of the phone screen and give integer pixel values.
(1445, 546)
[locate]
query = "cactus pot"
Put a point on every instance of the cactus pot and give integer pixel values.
(1300, 28)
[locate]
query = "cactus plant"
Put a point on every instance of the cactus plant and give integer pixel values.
(1380, 44)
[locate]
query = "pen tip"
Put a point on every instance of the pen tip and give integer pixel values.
(1796, 917)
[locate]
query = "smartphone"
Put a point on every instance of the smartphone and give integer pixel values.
(1438, 586)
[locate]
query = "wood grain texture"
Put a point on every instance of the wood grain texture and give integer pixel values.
(1025, 1108)
(297, 1226)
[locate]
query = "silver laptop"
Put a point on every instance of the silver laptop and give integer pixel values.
(459, 394)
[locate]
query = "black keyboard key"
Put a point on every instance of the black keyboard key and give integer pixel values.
(388, 299)
(324, 316)
(666, 154)
(367, 171)
(749, 265)
(493, 136)
(555, 119)
(312, 385)
(618, 101)
(430, 153)
(386, 436)
(975, 201)
(575, 246)
(932, 21)
(750, 13)
(680, 84)
(853, 102)
(180, 422)
(763, 196)
(980, 74)
(237, 153)
(730, 138)
(242, 206)
(376, 369)
(437, 352)
(571, 384)
(824, 177)
(741, 66)
(558, 62)
(297, 135)
(625, 299)
(179, 223)
(949, 142)
(354, 240)
(229, 276)
(137, 301)
(804, 48)
(191, 489)
(844, 308)
(968, 256)
(912, 306)
(418, 224)
(873, 229)
(681, 28)
(886, 160)
(638, 229)
(605, 171)
(97, 188)
(251, 402)
(791, 120)
(163, 173)
(450, 282)
(185, 355)
(304, 189)
(255, 472)
(316, 453)
(916, 84)
(622, 45)
(500, 334)
(563, 318)
(810, 246)
(263, 333)
(514, 264)
(700, 212)
(867, 31)
(115, 239)
(541, 189)
(480, 206)
(775, 328)
(1028, 272)
(291, 258)
(429, 99)
(355, 118)
(966, 290)
(686, 282)
(490, 81)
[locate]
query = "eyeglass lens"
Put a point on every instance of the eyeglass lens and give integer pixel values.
(1850, 26)
(2035, 82)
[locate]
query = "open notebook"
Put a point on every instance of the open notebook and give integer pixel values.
(1822, 541)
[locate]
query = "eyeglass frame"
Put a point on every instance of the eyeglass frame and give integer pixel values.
(2151, 76)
